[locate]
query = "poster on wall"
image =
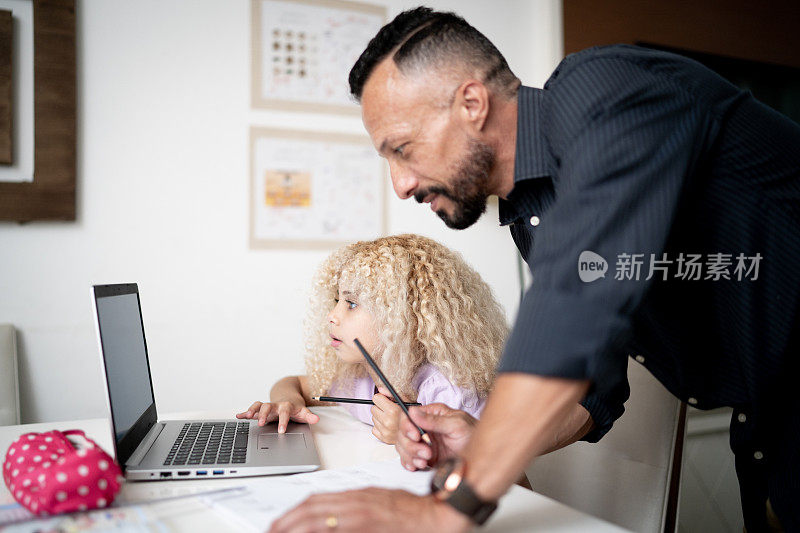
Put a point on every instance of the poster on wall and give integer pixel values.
(313, 189)
(303, 51)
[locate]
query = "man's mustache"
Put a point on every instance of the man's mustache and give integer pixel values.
(420, 196)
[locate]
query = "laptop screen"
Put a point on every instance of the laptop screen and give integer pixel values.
(127, 370)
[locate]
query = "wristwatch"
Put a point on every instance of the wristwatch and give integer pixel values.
(448, 485)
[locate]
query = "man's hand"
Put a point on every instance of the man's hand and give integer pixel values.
(385, 416)
(282, 411)
(372, 509)
(449, 429)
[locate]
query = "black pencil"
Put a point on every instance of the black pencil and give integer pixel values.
(349, 400)
(400, 402)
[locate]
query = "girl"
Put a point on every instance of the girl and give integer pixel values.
(429, 321)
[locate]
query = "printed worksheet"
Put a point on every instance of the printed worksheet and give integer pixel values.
(258, 505)
(312, 187)
(304, 49)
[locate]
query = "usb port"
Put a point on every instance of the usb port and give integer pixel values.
(201, 472)
(184, 473)
(166, 474)
(218, 472)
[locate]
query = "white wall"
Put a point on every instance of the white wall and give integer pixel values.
(163, 118)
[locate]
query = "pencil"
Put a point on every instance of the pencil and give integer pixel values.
(349, 400)
(400, 402)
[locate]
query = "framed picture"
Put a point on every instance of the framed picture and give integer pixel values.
(303, 51)
(44, 189)
(313, 189)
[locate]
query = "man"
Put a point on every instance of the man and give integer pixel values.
(628, 154)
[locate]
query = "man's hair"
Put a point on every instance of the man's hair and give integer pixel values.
(421, 37)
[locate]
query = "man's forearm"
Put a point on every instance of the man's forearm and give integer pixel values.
(525, 416)
(573, 428)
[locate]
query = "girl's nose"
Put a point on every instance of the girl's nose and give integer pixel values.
(332, 317)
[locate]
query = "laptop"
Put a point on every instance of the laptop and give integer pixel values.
(149, 449)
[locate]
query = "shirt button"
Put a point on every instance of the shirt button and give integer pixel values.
(535, 220)
(640, 359)
(742, 418)
(758, 456)
(692, 401)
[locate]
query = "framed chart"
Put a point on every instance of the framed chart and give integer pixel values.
(313, 189)
(303, 50)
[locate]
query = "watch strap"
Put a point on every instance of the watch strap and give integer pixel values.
(464, 500)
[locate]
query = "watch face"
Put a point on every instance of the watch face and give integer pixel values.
(453, 481)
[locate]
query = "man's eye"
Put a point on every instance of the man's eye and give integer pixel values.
(399, 149)
(351, 305)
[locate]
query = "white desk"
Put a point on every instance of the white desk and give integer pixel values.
(341, 441)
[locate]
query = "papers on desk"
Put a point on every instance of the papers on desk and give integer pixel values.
(125, 519)
(252, 507)
(13, 512)
(156, 516)
(257, 505)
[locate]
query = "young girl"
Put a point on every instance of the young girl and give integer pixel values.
(429, 321)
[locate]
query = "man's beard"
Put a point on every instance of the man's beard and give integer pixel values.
(469, 187)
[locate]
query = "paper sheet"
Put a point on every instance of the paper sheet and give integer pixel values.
(258, 505)
(146, 517)
(125, 519)
(13, 512)
(250, 508)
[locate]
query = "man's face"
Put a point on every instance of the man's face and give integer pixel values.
(431, 155)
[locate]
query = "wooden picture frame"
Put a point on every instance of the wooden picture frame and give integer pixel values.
(51, 194)
(6, 87)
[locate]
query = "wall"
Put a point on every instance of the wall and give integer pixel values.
(163, 118)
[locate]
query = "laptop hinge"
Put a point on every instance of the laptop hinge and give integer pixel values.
(147, 443)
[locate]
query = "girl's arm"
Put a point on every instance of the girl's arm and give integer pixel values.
(289, 399)
(290, 389)
(294, 387)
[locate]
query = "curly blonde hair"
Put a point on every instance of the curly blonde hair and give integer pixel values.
(427, 304)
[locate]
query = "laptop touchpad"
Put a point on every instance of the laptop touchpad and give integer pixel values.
(281, 442)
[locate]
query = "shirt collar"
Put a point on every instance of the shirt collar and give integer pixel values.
(532, 159)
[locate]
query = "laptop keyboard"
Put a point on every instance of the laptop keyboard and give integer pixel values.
(209, 443)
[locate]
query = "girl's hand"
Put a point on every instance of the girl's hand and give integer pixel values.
(385, 416)
(282, 411)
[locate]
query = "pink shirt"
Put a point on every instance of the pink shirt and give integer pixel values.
(431, 385)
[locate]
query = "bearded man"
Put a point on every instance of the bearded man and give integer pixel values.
(628, 154)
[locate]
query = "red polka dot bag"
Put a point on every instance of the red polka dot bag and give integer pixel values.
(47, 474)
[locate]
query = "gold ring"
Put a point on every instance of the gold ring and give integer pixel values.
(332, 522)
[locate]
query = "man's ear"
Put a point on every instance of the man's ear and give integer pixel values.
(471, 104)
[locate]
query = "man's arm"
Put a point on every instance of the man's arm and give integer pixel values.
(576, 424)
(534, 410)
(525, 416)
(452, 429)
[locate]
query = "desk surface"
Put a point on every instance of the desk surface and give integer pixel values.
(342, 442)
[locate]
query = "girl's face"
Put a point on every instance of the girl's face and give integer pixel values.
(347, 321)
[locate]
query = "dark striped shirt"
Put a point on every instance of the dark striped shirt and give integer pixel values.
(648, 158)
